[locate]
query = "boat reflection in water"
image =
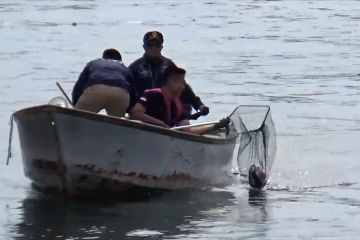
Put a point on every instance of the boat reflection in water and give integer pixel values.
(143, 213)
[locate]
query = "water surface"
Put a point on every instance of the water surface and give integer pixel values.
(299, 57)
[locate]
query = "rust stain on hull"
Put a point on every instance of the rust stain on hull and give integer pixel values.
(174, 180)
(89, 176)
(43, 164)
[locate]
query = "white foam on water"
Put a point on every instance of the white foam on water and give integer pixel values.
(143, 233)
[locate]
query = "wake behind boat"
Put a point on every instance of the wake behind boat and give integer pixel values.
(74, 151)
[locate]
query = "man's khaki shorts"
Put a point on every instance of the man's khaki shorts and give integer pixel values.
(114, 100)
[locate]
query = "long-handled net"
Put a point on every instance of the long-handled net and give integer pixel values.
(256, 140)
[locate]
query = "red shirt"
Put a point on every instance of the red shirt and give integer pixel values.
(158, 105)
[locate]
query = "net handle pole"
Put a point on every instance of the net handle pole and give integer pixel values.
(64, 93)
(198, 124)
(193, 125)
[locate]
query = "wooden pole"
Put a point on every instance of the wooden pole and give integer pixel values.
(64, 93)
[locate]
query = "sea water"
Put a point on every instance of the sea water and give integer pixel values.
(302, 58)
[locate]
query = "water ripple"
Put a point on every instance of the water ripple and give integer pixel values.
(299, 57)
(71, 7)
(11, 7)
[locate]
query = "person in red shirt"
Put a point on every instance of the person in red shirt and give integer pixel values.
(162, 106)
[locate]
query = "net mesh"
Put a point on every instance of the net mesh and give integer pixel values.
(256, 138)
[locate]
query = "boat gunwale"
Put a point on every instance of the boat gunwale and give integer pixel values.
(123, 122)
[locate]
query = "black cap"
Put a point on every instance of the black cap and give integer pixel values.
(153, 36)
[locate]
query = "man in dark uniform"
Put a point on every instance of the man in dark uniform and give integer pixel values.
(148, 72)
(104, 84)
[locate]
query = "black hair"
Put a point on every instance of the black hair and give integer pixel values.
(112, 53)
(153, 36)
(171, 71)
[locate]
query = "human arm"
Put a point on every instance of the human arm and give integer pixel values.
(133, 98)
(189, 97)
(138, 112)
(132, 91)
(200, 130)
(137, 81)
(80, 84)
(207, 128)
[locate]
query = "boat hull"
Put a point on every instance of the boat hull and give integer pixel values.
(76, 151)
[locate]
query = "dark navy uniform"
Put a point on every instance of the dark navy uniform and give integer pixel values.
(102, 71)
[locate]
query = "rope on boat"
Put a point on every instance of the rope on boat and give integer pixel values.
(11, 122)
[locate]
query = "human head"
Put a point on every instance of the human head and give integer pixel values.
(153, 44)
(112, 53)
(174, 80)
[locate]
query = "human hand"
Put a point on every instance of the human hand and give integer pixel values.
(222, 123)
(204, 110)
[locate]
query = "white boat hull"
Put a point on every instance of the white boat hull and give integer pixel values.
(75, 151)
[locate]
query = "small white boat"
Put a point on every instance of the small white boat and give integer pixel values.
(77, 152)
